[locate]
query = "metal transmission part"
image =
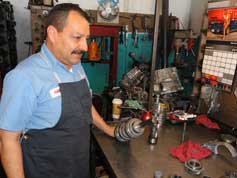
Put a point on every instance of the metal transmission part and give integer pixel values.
(193, 167)
(130, 129)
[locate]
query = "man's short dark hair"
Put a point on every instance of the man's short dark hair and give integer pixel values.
(57, 17)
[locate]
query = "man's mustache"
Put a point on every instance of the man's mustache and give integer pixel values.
(78, 52)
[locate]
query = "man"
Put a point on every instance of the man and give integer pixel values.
(46, 109)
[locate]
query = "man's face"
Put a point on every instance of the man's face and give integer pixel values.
(71, 43)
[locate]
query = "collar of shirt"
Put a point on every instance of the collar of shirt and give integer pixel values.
(54, 63)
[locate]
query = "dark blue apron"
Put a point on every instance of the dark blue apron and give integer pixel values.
(64, 150)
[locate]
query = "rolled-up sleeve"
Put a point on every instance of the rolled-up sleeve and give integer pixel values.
(17, 101)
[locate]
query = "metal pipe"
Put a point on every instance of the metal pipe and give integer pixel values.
(165, 14)
(154, 51)
(184, 132)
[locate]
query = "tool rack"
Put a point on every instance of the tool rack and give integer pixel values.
(8, 53)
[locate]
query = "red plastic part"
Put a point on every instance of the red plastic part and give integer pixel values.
(147, 115)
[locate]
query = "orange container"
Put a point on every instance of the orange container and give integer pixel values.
(93, 51)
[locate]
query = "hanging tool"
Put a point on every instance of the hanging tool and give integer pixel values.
(188, 46)
(134, 32)
(102, 48)
(135, 43)
(177, 45)
(145, 27)
(125, 29)
(121, 35)
(126, 35)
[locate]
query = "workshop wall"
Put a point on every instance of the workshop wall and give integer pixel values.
(135, 6)
(23, 27)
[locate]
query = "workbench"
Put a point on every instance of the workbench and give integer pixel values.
(138, 159)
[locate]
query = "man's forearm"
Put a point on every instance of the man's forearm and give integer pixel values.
(101, 124)
(11, 157)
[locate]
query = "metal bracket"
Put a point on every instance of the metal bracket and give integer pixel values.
(213, 146)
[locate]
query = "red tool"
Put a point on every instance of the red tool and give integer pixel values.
(146, 116)
(190, 46)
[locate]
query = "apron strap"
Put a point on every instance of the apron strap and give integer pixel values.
(42, 56)
(56, 76)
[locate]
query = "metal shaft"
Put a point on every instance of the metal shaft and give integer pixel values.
(154, 51)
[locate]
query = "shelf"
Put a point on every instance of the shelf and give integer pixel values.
(103, 61)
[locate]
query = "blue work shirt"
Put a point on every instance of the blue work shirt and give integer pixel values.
(31, 98)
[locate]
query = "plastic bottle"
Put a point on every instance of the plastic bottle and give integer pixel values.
(93, 51)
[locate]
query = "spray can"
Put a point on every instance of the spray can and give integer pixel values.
(93, 51)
